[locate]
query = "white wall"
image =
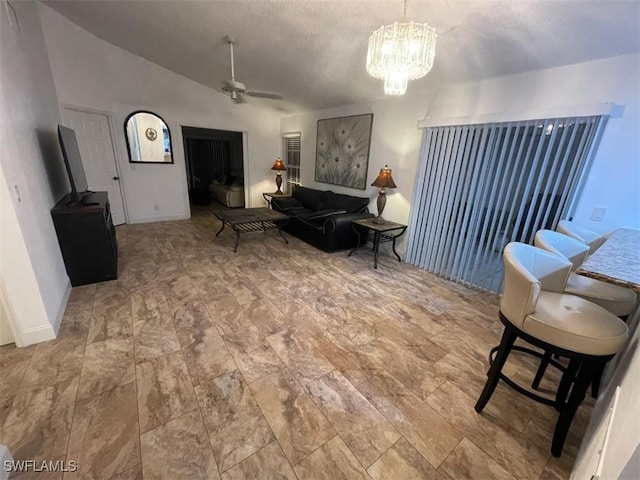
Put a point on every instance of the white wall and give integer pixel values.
(33, 274)
(93, 74)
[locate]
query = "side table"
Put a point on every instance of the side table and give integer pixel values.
(270, 196)
(377, 233)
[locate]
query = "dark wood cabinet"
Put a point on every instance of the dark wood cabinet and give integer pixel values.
(87, 239)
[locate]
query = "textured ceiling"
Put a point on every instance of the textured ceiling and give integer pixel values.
(313, 52)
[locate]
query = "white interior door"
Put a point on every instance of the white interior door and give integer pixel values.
(98, 158)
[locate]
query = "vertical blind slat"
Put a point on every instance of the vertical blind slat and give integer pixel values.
(480, 186)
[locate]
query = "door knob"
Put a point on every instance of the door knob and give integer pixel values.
(116, 178)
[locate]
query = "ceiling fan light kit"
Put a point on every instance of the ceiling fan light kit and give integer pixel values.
(237, 90)
(401, 52)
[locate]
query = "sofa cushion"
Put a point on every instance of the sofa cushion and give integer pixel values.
(326, 213)
(286, 204)
(310, 198)
(347, 202)
(303, 213)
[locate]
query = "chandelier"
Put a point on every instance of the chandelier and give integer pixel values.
(401, 52)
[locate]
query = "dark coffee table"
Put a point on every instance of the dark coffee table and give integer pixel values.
(246, 220)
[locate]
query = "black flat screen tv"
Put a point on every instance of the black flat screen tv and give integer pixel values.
(73, 163)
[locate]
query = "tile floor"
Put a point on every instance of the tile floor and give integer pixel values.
(278, 362)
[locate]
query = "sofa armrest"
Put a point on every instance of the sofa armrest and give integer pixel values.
(341, 223)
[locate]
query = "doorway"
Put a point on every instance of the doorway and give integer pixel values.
(95, 141)
(214, 165)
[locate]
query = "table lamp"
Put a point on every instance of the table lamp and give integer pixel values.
(383, 181)
(279, 167)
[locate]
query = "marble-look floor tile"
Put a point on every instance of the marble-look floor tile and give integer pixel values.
(406, 367)
(243, 291)
(155, 337)
(75, 322)
(258, 362)
(207, 357)
(105, 436)
(13, 364)
(468, 374)
(235, 424)
(54, 361)
(134, 473)
(181, 291)
(268, 463)
(352, 363)
(228, 315)
(332, 461)
(209, 286)
(519, 455)
(265, 316)
(432, 435)
(402, 461)
(164, 390)
(467, 461)
(190, 320)
(38, 424)
(179, 449)
(244, 340)
(295, 420)
(365, 431)
(149, 303)
(83, 294)
(111, 323)
(301, 356)
(106, 364)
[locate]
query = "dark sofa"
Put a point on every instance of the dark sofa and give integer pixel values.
(323, 218)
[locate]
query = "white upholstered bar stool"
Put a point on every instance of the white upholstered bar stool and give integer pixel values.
(618, 300)
(534, 308)
(573, 230)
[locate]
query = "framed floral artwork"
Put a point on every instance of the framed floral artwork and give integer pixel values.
(342, 150)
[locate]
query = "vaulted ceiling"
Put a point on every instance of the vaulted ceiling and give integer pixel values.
(313, 51)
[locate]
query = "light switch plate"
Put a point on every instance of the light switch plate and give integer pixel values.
(598, 214)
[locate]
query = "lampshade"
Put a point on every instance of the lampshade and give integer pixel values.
(384, 179)
(278, 165)
(401, 52)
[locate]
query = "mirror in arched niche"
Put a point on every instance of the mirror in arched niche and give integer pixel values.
(148, 138)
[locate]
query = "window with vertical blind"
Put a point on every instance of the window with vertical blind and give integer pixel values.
(292, 158)
(479, 187)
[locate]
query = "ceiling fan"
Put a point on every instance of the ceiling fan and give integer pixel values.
(237, 90)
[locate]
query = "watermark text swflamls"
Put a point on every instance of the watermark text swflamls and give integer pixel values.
(42, 466)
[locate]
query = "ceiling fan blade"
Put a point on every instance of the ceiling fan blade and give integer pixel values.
(275, 96)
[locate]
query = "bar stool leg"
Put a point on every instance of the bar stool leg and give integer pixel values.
(541, 369)
(508, 338)
(568, 377)
(597, 378)
(568, 410)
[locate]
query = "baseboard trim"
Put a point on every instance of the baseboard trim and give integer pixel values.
(159, 219)
(37, 335)
(62, 307)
